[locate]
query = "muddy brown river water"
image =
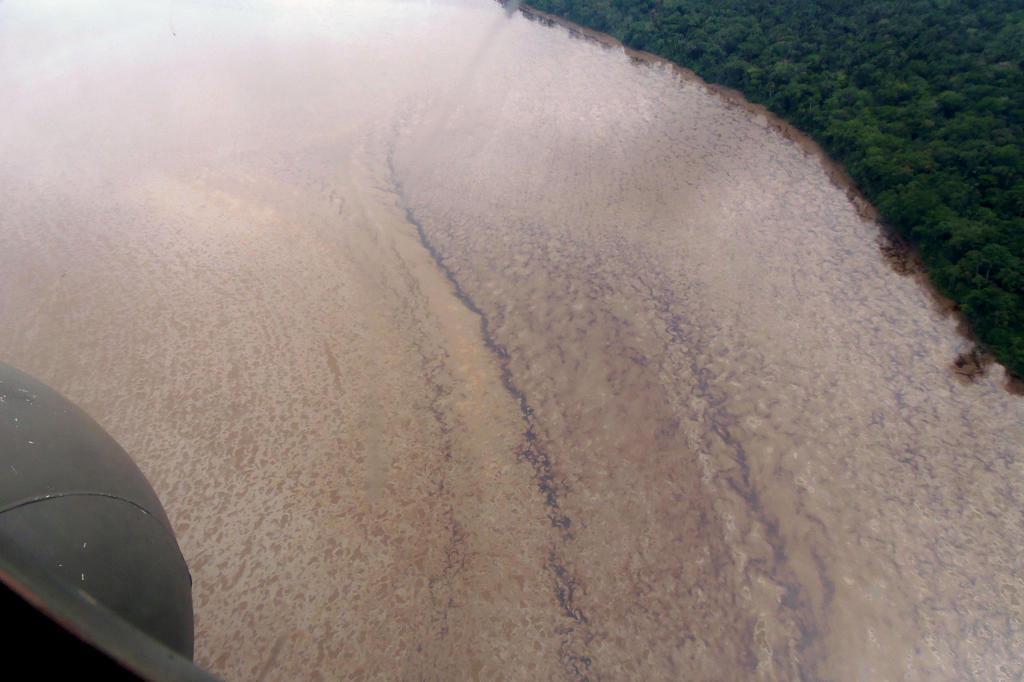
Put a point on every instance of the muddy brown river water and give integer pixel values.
(460, 348)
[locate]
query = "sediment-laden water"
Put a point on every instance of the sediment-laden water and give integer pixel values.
(460, 348)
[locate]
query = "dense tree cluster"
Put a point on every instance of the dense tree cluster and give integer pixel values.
(921, 100)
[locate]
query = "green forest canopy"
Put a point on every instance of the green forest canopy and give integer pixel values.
(921, 100)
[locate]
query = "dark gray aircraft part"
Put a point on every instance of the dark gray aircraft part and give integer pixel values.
(80, 525)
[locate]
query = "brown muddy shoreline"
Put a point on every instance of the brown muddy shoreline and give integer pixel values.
(902, 256)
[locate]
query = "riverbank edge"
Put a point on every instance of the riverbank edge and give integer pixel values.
(899, 253)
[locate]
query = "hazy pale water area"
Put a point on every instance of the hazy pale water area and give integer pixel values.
(460, 348)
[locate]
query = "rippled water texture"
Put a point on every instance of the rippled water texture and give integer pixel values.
(460, 348)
